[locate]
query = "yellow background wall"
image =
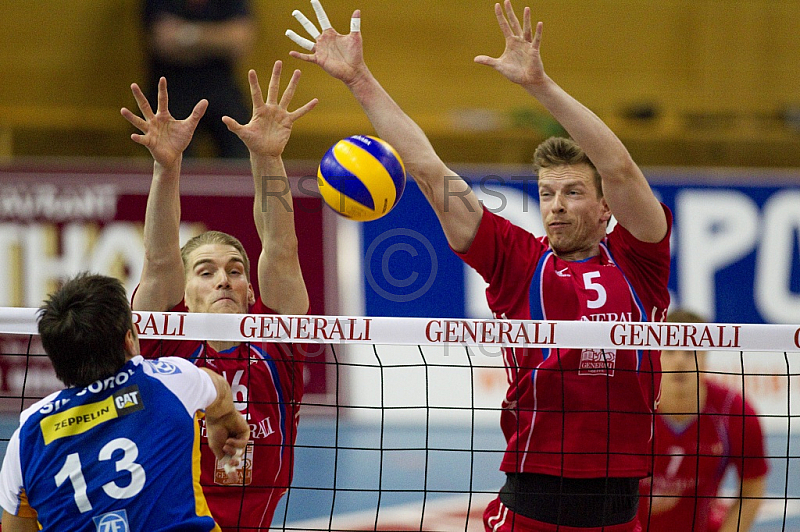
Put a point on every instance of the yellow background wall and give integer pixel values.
(720, 73)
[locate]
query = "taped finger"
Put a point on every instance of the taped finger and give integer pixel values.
(355, 24)
(322, 17)
(302, 42)
(307, 24)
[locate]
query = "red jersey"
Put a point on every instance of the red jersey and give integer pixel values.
(579, 413)
(726, 433)
(267, 384)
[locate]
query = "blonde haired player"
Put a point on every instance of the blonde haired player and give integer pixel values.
(577, 422)
(213, 275)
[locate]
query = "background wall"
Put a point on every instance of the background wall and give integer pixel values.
(719, 78)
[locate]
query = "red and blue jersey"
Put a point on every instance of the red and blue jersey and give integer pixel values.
(267, 384)
(691, 460)
(579, 413)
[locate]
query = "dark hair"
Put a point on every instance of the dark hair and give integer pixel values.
(560, 151)
(83, 327)
(214, 237)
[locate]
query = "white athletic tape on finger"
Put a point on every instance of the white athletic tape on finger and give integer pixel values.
(355, 24)
(225, 461)
(322, 17)
(307, 24)
(302, 42)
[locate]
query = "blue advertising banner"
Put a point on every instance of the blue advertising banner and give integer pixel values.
(735, 245)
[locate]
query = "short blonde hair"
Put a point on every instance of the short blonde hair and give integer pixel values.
(213, 237)
(680, 315)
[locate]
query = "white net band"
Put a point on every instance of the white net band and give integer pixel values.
(440, 331)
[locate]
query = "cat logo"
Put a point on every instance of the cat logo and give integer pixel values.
(128, 400)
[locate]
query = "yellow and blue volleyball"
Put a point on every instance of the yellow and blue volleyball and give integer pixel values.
(361, 177)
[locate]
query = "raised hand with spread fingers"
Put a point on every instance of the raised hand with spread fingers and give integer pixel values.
(520, 62)
(165, 136)
(339, 55)
(270, 127)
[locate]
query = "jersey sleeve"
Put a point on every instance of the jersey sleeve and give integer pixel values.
(191, 385)
(645, 264)
(12, 490)
(505, 255)
(11, 477)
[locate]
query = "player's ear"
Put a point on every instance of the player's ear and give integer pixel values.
(251, 294)
(131, 344)
(605, 215)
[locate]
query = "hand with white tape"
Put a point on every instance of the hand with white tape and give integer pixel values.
(230, 463)
(339, 55)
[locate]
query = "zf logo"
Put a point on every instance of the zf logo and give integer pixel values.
(116, 521)
(162, 367)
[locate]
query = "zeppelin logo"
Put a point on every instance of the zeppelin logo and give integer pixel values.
(490, 332)
(305, 328)
(678, 336)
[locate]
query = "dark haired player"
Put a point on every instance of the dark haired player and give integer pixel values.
(116, 449)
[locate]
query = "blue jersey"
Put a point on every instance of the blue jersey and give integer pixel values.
(120, 455)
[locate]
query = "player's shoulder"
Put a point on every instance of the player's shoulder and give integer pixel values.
(724, 399)
(166, 366)
(40, 406)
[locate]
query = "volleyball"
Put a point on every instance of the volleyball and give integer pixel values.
(361, 177)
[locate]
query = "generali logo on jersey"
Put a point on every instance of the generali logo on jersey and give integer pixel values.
(598, 362)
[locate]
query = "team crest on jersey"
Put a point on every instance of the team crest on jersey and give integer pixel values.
(598, 362)
(162, 367)
(116, 521)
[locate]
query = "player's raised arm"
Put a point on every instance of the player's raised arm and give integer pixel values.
(342, 57)
(625, 188)
(280, 279)
(162, 281)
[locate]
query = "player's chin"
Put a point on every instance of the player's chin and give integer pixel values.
(226, 306)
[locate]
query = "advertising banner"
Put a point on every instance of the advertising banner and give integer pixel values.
(59, 220)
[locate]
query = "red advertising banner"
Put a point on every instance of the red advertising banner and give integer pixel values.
(58, 219)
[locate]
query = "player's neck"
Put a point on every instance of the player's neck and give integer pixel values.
(682, 405)
(578, 254)
(222, 346)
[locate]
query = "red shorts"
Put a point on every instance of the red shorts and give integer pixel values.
(498, 518)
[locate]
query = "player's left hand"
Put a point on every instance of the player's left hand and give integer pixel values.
(521, 61)
(271, 125)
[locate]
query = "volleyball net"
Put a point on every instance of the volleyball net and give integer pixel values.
(400, 423)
